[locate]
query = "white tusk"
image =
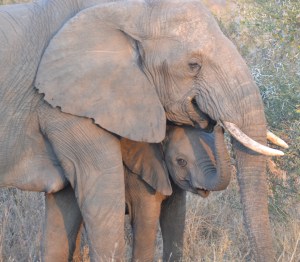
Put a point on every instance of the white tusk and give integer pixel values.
(249, 142)
(276, 140)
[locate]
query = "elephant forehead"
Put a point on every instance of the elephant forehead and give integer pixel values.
(178, 18)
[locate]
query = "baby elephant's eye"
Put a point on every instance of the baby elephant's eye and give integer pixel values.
(181, 162)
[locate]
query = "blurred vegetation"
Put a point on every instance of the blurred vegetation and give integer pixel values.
(267, 33)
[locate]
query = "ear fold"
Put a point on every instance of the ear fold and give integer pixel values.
(90, 69)
(147, 161)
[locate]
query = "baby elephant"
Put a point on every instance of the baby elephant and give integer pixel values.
(151, 196)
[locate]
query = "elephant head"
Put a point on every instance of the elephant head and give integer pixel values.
(118, 62)
(197, 161)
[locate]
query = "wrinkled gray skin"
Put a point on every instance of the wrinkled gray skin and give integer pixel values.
(197, 159)
(161, 56)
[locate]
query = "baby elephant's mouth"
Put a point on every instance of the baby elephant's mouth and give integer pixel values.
(188, 186)
(202, 192)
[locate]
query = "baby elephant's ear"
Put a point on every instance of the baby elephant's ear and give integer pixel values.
(146, 160)
(91, 69)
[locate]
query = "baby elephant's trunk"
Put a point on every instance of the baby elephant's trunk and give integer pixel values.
(217, 177)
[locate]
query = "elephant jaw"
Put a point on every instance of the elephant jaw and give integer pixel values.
(199, 118)
(187, 112)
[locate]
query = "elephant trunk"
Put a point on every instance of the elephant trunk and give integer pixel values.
(251, 167)
(223, 173)
(215, 165)
(245, 110)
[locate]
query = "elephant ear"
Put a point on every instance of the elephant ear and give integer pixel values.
(91, 69)
(146, 160)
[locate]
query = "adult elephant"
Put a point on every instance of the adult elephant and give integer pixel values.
(102, 67)
(196, 161)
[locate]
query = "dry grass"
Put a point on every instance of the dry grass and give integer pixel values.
(214, 228)
(267, 34)
(215, 232)
(21, 215)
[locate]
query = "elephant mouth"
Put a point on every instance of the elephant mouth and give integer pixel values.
(199, 118)
(202, 192)
(188, 186)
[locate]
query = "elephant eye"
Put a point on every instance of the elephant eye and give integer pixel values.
(194, 67)
(181, 162)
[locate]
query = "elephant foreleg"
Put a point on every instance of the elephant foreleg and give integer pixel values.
(92, 161)
(144, 209)
(172, 220)
(61, 226)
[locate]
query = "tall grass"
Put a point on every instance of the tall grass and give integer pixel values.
(267, 34)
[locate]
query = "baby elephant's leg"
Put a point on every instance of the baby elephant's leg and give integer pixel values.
(172, 220)
(144, 209)
(61, 226)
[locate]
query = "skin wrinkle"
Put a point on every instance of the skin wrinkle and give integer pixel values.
(15, 84)
(223, 78)
(168, 15)
(19, 85)
(205, 165)
(84, 155)
(2, 35)
(9, 20)
(204, 102)
(212, 106)
(253, 192)
(161, 77)
(152, 27)
(106, 219)
(239, 91)
(168, 80)
(256, 110)
(253, 205)
(15, 135)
